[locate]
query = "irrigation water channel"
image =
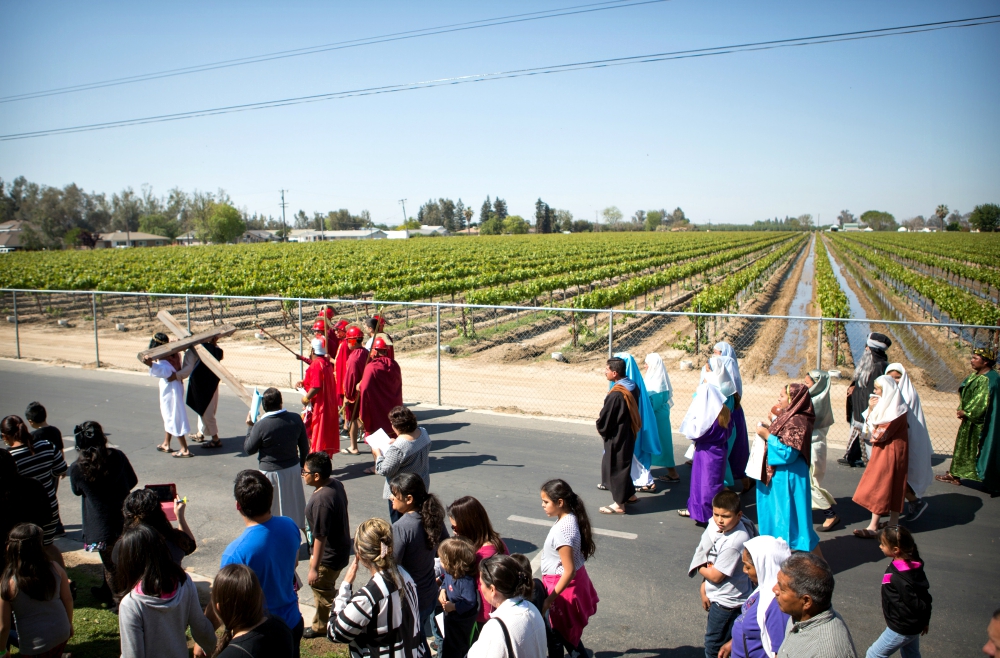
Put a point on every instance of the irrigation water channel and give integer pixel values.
(793, 352)
(919, 352)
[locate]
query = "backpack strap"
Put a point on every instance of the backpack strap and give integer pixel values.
(506, 637)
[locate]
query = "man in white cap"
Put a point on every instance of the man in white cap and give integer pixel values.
(872, 366)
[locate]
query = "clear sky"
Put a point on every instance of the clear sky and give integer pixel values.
(898, 124)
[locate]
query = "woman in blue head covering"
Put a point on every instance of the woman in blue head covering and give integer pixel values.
(647, 443)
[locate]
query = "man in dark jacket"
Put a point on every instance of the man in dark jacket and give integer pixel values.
(280, 442)
(871, 367)
(618, 425)
(203, 393)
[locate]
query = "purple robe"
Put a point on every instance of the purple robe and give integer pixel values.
(746, 632)
(708, 471)
(740, 454)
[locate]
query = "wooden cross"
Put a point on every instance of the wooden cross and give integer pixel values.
(186, 341)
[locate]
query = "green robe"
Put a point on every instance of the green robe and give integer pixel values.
(988, 466)
(975, 394)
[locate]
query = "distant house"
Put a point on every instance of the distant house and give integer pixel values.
(254, 236)
(853, 226)
(902, 229)
(120, 239)
(11, 235)
(188, 239)
(423, 230)
(312, 235)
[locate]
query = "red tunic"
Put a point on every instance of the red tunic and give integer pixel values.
(332, 342)
(340, 370)
(324, 426)
(381, 390)
(354, 371)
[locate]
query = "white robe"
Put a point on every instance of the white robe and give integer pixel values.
(920, 473)
(175, 421)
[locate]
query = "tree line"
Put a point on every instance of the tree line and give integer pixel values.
(984, 217)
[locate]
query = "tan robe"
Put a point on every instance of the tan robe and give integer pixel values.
(883, 485)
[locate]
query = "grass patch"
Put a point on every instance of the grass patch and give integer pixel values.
(485, 329)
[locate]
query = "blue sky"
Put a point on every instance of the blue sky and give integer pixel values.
(898, 124)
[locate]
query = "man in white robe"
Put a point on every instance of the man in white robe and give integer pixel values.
(172, 409)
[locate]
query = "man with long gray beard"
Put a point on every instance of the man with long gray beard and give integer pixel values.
(871, 367)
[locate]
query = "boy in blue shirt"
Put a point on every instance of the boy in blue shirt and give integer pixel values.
(270, 546)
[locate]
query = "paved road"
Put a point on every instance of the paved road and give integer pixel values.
(648, 605)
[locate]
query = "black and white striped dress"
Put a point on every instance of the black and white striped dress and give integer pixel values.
(45, 465)
(376, 621)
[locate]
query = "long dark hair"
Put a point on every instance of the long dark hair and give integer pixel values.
(142, 506)
(509, 574)
(9, 478)
(238, 600)
(92, 446)
(473, 523)
(13, 426)
(558, 490)
(896, 536)
(143, 557)
(430, 508)
(27, 565)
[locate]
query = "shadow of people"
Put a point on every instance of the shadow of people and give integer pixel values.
(676, 652)
(945, 511)
(519, 546)
(443, 428)
(441, 444)
(431, 414)
(844, 552)
(231, 445)
(446, 463)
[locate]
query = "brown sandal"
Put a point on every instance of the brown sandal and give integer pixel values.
(611, 510)
(865, 533)
(948, 478)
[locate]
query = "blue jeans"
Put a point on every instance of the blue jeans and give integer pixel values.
(719, 628)
(890, 641)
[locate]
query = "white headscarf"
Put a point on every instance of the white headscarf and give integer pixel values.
(656, 378)
(919, 474)
(732, 365)
(719, 375)
(889, 407)
(767, 554)
(704, 411)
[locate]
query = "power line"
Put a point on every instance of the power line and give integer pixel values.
(518, 73)
(340, 45)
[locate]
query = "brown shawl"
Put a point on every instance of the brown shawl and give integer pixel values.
(633, 408)
(795, 424)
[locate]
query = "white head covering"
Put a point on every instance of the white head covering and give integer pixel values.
(767, 554)
(704, 411)
(890, 406)
(656, 378)
(732, 365)
(318, 347)
(919, 474)
(719, 375)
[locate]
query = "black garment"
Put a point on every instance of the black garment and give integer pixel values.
(103, 499)
(50, 434)
(326, 513)
(458, 631)
(281, 440)
(272, 639)
(23, 500)
(906, 599)
(178, 542)
(857, 402)
(615, 427)
(410, 549)
(203, 383)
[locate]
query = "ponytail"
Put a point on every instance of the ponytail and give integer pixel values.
(13, 426)
(558, 490)
(428, 506)
(896, 536)
(373, 547)
(92, 446)
(509, 574)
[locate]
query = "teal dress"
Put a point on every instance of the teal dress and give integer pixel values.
(784, 507)
(661, 409)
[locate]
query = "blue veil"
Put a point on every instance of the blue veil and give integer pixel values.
(647, 443)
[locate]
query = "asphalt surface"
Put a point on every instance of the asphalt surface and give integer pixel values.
(649, 607)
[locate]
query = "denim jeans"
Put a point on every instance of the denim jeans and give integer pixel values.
(890, 641)
(719, 628)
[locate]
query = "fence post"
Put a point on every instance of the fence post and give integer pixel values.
(611, 331)
(17, 333)
(187, 310)
(302, 365)
(438, 351)
(819, 346)
(97, 349)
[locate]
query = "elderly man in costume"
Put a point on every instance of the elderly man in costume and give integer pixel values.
(739, 446)
(883, 486)
(175, 421)
(709, 424)
(380, 390)
(320, 399)
(871, 367)
(354, 369)
(203, 393)
(618, 424)
(978, 417)
(818, 382)
(784, 494)
(661, 396)
(919, 473)
(988, 464)
(647, 442)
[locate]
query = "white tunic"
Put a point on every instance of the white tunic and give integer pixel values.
(172, 407)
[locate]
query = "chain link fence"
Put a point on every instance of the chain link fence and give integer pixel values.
(531, 360)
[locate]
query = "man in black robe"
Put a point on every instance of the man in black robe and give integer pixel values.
(618, 425)
(872, 366)
(203, 393)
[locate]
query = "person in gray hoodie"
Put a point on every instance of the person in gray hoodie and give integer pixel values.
(409, 453)
(162, 601)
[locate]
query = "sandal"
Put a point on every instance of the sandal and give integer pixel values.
(611, 510)
(161, 448)
(212, 445)
(684, 512)
(197, 438)
(602, 487)
(181, 455)
(649, 488)
(865, 533)
(949, 478)
(345, 451)
(370, 470)
(667, 478)
(632, 501)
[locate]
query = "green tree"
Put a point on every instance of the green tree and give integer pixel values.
(543, 217)
(491, 226)
(986, 217)
(678, 218)
(486, 211)
(459, 216)
(582, 226)
(879, 220)
(225, 224)
(612, 216)
(500, 208)
(515, 225)
(654, 218)
(159, 224)
(564, 220)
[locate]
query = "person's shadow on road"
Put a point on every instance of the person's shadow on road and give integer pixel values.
(676, 652)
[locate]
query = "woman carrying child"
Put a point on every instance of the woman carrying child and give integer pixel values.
(906, 597)
(468, 519)
(36, 590)
(760, 628)
(172, 409)
(459, 597)
(515, 628)
(572, 599)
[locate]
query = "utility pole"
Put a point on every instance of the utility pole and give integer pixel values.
(402, 202)
(284, 226)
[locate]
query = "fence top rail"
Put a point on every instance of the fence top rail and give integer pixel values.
(562, 309)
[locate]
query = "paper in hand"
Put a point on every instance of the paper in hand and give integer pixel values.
(379, 440)
(255, 404)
